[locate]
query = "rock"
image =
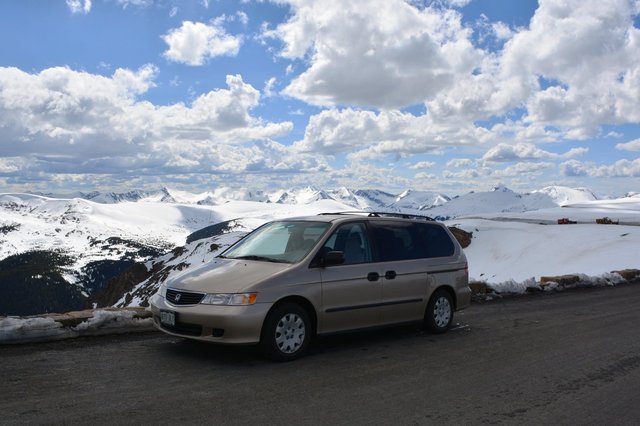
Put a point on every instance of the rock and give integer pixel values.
(479, 288)
(463, 237)
(628, 274)
(560, 279)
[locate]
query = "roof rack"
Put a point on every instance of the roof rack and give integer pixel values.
(381, 214)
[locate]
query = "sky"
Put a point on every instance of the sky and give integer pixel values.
(443, 95)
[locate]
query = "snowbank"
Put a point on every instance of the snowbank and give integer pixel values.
(73, 324)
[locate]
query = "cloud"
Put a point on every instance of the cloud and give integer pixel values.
(137, 3)
(10, 165)
(242, 17)
(424, 176)
(520, 169)
(513, 171)
(501, 31)
(591, 50)
(633, 145)
(388, 54)
(79, 6)
(61, 121)
(194, 42)
(460, 162)
(367, 134)
(423, 165)
(504, 152)
(268, 87)
(463, 174)
(575, 68)
(619, 169)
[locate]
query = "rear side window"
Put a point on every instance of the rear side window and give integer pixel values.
(433, 240)
(402, 241)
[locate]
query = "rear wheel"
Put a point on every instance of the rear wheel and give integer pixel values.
(286, 332)
(439, 313)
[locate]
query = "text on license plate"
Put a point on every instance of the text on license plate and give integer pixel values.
(168, 318)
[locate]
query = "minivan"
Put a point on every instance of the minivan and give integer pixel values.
(293, 279)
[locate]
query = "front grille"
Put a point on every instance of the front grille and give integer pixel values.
(176, 297)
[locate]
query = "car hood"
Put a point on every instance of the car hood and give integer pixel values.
(226, 275)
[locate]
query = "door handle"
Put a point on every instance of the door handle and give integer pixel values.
(373, 276)
(390, 275)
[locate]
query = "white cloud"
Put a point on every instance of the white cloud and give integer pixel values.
(526, 151)
(11, 165)
(372, 134)
(424, 176)
(194, 42)
(458, 3)
(575, 68)
(387, 54)
(501, 31)
(460, 162)
(137, 3)
(633, 145)
(79, 6)
(242, 17)
(423, 165)
(591, 48)
(621, 168)
(463, 174)
(268, 87)
(61, 121)
(519, 169)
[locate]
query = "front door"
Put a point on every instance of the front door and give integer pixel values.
(351, 292)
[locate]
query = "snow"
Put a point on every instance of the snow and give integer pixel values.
(419, 200)
(515, 235)
(562, 195)
(503, 251)
(516, 238)
(37, 329)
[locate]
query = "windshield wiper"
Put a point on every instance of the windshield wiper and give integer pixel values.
(260, 258)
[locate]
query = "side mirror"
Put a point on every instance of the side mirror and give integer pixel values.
(332, 258)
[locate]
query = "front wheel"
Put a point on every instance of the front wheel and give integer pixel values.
(439, 313)
(286, 332)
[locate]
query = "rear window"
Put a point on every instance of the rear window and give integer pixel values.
(402, 241)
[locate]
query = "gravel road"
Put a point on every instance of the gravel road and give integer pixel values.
(565, 358)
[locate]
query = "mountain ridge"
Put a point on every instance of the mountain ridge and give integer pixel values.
(109, 239)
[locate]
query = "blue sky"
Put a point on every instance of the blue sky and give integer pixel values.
(449, 95)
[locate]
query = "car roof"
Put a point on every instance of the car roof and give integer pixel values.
(349, 215)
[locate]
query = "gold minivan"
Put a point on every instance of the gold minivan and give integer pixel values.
(292, 279)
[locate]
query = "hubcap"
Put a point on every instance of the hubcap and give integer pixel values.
(442, 312)
(290, 333)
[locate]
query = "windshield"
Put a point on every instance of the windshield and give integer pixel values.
(285, 242)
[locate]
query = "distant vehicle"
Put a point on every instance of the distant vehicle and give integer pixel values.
(566, 221)
(292, 279)
(606, 221)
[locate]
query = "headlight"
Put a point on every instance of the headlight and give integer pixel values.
(234, 299)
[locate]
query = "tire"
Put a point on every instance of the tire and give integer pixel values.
(286, 332)
(439, 314)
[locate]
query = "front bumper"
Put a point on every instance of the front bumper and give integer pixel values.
(239, 324)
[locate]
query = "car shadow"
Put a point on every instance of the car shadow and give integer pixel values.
(374, 340)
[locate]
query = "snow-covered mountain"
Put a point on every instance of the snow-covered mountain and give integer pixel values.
(419, 200)
(561, 195)
(99, 247)
(498, 200)
(367, 199)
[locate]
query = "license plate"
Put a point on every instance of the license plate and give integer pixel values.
(168, 318)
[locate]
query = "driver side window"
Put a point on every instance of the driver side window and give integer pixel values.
(352, 240)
